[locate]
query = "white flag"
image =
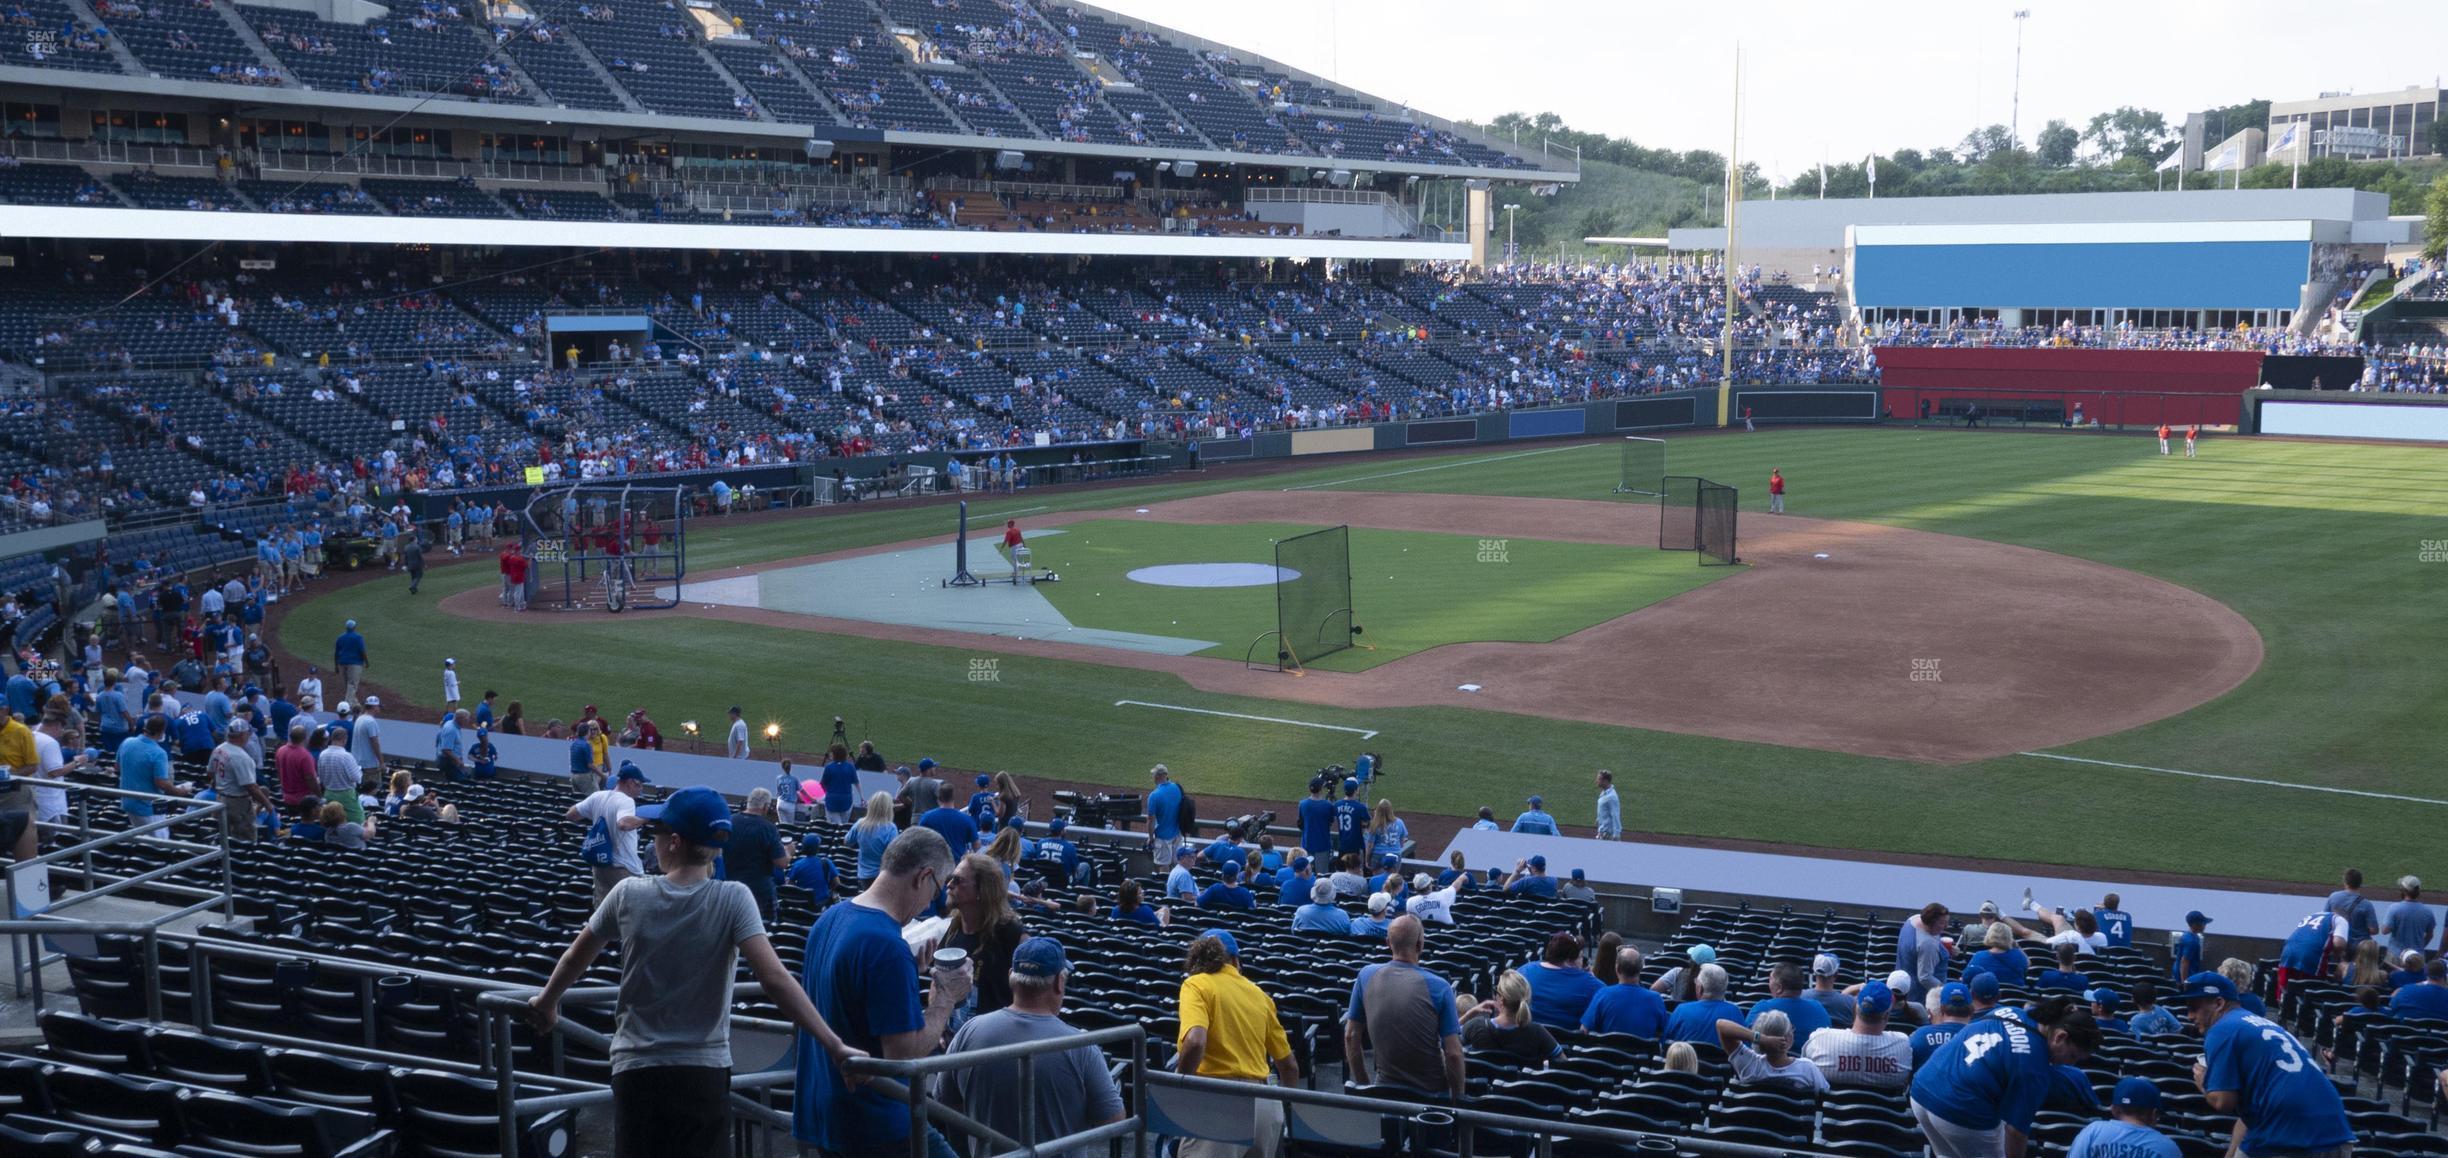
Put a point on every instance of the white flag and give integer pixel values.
(2231, 157)
(2174, 160)
(1823, 180)
(1870, 165)
(2286, 140)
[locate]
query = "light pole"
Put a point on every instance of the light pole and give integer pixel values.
(2014, 118)
(1509, 233)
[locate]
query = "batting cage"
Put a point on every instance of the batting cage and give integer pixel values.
(1313, 600)
(1678, 513)
(610, 547)
(1715, 523)
(1695, 514)
(1644, 466)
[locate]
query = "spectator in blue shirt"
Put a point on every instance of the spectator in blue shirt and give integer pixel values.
(1560, 989)
(1530, 878)
(812, 871)
(1486, 821)
(1057, 853)
(1947, 1018)
(21, 695)
(2104, 1005)
(2362, 918)
(2114, 922)
(144, 766)
(1373, 926)
(1626, 1006)
(583, 775)
(1226, 849)
(349, 655)
(1164, 814)
(2149, 1017)
(2409, 924)
(2064, 976)
(840, 782)
(1536, 820)
(2185, 958)
(1179, 884)
(1320, 914)
(2427, 1001)
(1351, 821)
(950, 823)
(2130, 1129)
(1228, 893)
(1130, 905)
(1317, 818)
(1696, 1019)
(1785, 993)
(1999, 956)
(2254, 1069)
(1298, 885)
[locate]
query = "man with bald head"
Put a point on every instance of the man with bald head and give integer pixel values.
(1405, 1015)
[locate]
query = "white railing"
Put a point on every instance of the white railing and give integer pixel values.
(1316, 196)
(113, 153)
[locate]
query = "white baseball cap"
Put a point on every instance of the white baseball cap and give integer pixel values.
(373, 701)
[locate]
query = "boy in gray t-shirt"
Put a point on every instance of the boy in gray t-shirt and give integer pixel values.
(681, 936)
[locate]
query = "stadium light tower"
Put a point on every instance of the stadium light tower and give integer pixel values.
(2014, 117)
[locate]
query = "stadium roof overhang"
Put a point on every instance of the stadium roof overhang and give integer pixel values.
(275, 102)
(101, 224)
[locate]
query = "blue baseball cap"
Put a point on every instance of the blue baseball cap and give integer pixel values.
(1985, 986)
(1954, 996)
(698, 815)
(2196, 919)
(1299, 863)
(2106, 998)
(1390, 859)
(1055, 826)
(351, 625)
(1539, 863)
(925, 762)
(1576, 875)
(2206, 985)
(1350, 785)
(1537, 801)
(810, 842)
(1702, 954)
(2135, 1094)
(1183, 850)
(1232, 948)
(1232, 868)
(983, 780)
(1875, 999)
(630, 771)
(1040, 957)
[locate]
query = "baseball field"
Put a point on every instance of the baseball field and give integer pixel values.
(1955, 644)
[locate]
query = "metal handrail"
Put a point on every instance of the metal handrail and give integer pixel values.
(914, 1071)
(30, 958)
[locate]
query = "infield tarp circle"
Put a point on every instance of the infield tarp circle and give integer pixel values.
(1213, 575)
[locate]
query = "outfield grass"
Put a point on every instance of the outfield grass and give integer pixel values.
(1414, 590)
(2317, 544)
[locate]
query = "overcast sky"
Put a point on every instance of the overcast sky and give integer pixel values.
(1835, 78)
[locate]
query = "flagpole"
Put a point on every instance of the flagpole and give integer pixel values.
(1725, 381)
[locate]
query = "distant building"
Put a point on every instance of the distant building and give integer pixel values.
(2361, 126)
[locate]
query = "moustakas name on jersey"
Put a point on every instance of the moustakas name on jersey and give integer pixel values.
(1995, 1070)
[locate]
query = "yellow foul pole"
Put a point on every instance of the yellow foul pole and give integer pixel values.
(1733, 199)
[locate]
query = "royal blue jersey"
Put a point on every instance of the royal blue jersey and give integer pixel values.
(2116, 925)
(2287, 1102)
(1995, 1071)
(194, 731)
(2307, 948)
(2186, 957)
(2113, 1139)
(1927, 1039)
(1317, 825)
(1351, 822)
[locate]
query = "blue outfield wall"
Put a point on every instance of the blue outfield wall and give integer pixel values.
(2201, 275)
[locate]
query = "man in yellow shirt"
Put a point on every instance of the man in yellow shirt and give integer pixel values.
(17, 758)
(1229, 1030)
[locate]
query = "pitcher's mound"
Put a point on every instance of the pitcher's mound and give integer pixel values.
(1213, 575)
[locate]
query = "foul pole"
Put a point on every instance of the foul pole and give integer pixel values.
(1733, 199)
